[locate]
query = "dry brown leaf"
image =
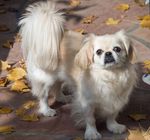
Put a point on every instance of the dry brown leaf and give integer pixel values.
(16, 74)
(140, 2)
(111, 21)
(5, 110)
(20, 111)
(3, 28)
(8, 44)
(3, 81)
(6, 129)
(88, 19)
(138, 117)
(20, 86)
(29, 104)
(17, 38)
(80, 30)
(123, 7)
(74, 3)
(31, 117)
(135, 135)
(4, 65)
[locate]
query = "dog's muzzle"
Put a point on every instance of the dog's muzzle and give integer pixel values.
(109, 58)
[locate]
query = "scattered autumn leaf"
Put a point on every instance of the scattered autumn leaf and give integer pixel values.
(20, 111)
(3, 28)
(29, 104)
(31, 117)
(16, 74)
(8, 44)
(111, 21)
(5, 110)
(17, 38)
(135, 135)
(3, 81)
(74, 3)
(80, 30)
(4, 65)
(138, 117)
(145, 21)
(6, 129)
(20, 86)
(147, 64)
(140, 2)
(123, 7)
(88, 19)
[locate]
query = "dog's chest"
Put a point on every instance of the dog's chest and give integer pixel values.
(110, 90)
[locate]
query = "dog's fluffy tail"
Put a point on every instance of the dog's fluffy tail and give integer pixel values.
(41, 31)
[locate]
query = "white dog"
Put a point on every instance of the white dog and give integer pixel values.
(105, 82)
(49, 52)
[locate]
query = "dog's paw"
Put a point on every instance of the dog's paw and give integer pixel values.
(92, 134)
(116, 128)
(48, 112)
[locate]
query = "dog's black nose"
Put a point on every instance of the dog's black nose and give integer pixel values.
(108, 53)
(109, 57)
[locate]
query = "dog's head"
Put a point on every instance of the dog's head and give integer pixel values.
(107, 51)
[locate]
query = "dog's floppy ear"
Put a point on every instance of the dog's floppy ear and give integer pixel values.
(128, 46)
(85, 56)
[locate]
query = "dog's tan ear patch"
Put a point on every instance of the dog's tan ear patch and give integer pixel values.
(85, 56)
(128, 46)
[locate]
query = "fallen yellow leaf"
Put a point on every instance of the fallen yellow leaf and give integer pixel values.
(88, 19)
(16, 74)
(31, 117)
(138, 117)
(80, 30)
(111, 21)
(5, 110)
(20, 86)
(29, 104)
(145, 21)
(6, 129)
(20, 111)
(8, 44)
(74, 3)
(123, 7)
(147, 64)
(4, 65)
(3, 81)
(135, 135)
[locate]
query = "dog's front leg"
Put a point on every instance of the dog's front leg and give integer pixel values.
(91, 132)
(114, 126)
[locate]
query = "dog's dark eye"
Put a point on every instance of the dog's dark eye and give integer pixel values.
(99, 52)
(117, 49)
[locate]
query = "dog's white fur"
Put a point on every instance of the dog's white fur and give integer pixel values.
(48, 50)
(103, 89)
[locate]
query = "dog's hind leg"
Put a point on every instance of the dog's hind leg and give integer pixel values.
(41, 90)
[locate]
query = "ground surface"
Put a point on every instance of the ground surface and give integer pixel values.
(61, 127)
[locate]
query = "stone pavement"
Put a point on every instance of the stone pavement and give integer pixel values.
(61, 127)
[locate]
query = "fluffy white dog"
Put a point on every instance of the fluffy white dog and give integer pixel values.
(105, 82)
(49, 52)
